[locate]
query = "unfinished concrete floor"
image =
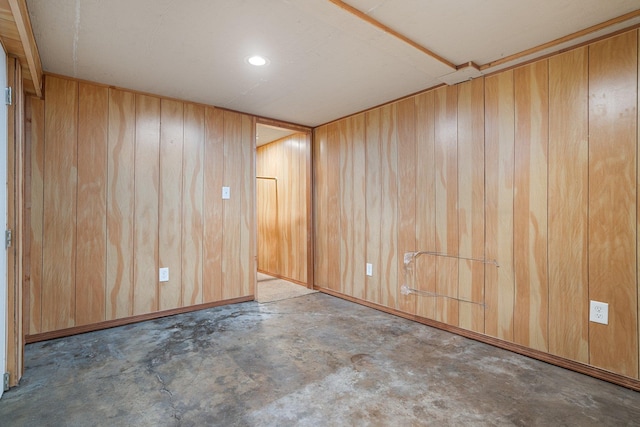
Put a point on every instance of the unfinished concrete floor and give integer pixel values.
(308, 361)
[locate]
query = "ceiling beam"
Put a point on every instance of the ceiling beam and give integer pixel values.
(23, 24)
(391, 31)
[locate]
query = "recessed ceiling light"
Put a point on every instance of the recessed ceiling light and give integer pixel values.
(257, 60)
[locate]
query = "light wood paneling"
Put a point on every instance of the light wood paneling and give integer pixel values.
(150, 173)
(321, 225)
(60, 191)
(146, 205)
(471, 204)
(120, 204)
(613, 91)
(568, 205)
(36, 109)
(352, 205)
(247, 218)
(91, 225)
(530, 205)
(232, 208)
(333, 208)
(446, 191)
(192, 205)
(373, 165)
(407, 174)
(499, 179)
(170, 202)
(284, 198)
(425, 265)
(213, 208)
(389, 214)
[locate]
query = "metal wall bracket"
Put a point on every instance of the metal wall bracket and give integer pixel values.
(8, 239)
(5, 382)
(8, 96)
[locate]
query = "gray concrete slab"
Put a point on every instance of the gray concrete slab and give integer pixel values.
(310, 361)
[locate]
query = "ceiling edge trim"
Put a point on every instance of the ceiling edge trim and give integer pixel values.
(23, 24)
(363, 16)
(567, 38)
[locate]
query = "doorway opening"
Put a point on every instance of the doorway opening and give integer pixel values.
(283, 211)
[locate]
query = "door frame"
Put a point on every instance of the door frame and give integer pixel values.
(309, 189)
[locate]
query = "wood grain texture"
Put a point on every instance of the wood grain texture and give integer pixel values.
(471, 204)
(531, 84)
(373, 212)
(232, 208)
(248, 254)
(213, 208)
(407, 175)
(333, 208)
(146, 204)
(389, 214)
(91, 225)
(320, 195)
(499, 181)
(352, 205)
(425, 266)
(568, 205)
(283, 198)
(613, 85)
(192, 205)
(60, 183)
(170, 202)
(446, 191)
(120, 204)
(36, 221)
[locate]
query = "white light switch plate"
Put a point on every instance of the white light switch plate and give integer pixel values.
(164, 274)
(226, 193)
(599, 312)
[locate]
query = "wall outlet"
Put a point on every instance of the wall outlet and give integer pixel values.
(599, 312)
(369, 269)
(164, 274)
(226, 193)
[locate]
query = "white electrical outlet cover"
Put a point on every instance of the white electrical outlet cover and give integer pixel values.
(369, 269)
(164, 274)
(226, 193)
(599, 312)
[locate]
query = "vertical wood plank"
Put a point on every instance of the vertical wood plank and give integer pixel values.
(471, 203)
(192, 212)
(358, 136)
(247, 277)
(37, 219)
(93, 123)
(120, 204)
(60, 187)
(613, 85)
(446, 150)
(499, 176)
(407, 152)
(232, 213)
(530, 326)
(389, 201)
(213, 208)
(568, 204)
(425, 265)
(321, 256)
(373, 165)
(146, 204)
(333, 208)
(170, 202)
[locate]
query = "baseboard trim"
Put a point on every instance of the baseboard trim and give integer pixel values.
(29, 339)
(552, 359)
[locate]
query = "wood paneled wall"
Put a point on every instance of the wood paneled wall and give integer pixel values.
(282, 207)
(534, 167)
(123, 184)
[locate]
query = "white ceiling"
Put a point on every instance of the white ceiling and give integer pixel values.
(325, 63)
